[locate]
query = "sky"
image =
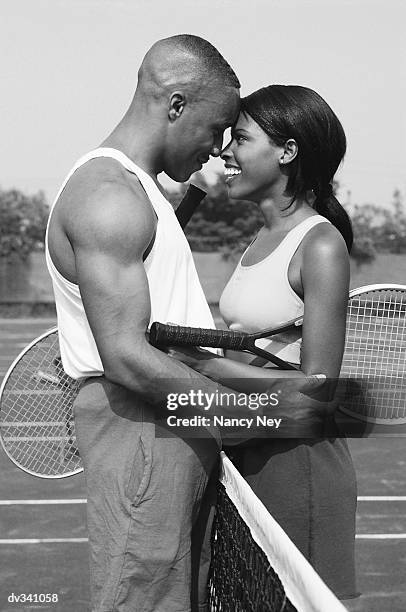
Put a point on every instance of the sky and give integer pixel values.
(69, 68)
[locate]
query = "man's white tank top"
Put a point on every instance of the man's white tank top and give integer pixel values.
(260, 296)
(175, 291)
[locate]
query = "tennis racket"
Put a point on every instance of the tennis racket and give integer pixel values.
(166, 335)
(374, 363)
(37, 429)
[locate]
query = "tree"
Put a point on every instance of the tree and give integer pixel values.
(22, 223)
(362, 219)
(378, 229)
(393, 233)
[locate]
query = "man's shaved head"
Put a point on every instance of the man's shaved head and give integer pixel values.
(183, 62)
(187, 95)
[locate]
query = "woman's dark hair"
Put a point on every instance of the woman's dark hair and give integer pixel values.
(292, 111)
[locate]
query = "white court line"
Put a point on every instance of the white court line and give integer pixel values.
(16, 345)
(381, 498)
(33, 502)
(38, 321)
(12, 502)
(381, 536)
(40, 502)
(45, 541)
(364, 536)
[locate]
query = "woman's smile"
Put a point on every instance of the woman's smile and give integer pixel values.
(231, 172)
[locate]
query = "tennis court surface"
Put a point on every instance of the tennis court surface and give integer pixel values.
(43, 539)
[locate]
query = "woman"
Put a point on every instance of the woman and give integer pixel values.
(286, 147)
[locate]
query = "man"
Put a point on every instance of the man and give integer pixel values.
(118, 260)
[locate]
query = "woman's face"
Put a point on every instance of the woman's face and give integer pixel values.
(252, 161)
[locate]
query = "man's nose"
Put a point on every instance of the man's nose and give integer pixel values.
(226, 153)
(217, 146)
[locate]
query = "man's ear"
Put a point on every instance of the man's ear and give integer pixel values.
(290, 151)
(177, 103)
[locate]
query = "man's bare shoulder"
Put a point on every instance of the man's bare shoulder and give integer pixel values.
(105, 205)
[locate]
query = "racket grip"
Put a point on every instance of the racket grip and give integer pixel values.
(166, 335)
(191, 200)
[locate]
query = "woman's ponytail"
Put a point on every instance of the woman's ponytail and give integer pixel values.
(327, 205)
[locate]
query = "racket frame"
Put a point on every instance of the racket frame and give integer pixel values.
(376, 287)
(356, 415)
(9, 372)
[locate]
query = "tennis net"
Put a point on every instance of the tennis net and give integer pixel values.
(255, 566)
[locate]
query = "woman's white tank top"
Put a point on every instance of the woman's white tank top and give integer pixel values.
(259, 296)
(175, 291)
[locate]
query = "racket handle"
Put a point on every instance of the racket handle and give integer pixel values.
(191, 200)
(177, 335)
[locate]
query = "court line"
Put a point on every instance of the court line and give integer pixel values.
(381, 498)
(12, 341)
(380, 536)
(28, 321)
(365, 536)
(33, 502)
(45, 541)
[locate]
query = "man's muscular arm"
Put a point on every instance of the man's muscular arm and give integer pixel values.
(115, 229)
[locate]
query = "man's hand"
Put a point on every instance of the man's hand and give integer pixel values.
(300, 409)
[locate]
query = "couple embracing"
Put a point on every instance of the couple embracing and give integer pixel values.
(119, 260)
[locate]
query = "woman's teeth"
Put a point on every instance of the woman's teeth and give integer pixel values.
(231, 171)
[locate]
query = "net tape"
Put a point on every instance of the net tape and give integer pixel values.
(256, 567)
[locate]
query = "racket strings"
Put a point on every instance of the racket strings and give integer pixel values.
(36, 421)
(375, 356)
